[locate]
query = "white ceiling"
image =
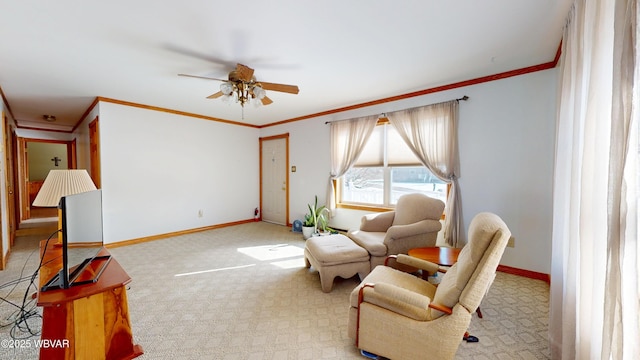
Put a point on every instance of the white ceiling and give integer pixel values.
(56, 57)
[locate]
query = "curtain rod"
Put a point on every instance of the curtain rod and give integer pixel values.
(464, 98)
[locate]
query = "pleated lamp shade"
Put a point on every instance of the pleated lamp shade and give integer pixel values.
(61, 183)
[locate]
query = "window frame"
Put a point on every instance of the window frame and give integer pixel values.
(387, 206)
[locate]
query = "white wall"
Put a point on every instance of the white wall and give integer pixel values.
(506, 135)
(160, 169)
(43, 135)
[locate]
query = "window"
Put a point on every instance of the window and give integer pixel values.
(386, 170)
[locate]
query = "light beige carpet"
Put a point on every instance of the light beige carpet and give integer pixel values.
(243, 292)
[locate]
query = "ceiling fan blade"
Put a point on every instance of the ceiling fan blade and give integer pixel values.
(266, 101)
(291, 89)
(244, 72)
(198, 55)
(215, 96)
(201, 77)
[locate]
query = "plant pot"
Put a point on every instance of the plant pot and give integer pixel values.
(307, 231)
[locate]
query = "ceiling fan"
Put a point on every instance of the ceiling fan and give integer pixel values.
(243, 86)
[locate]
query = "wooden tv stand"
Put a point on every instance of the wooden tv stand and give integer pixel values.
(88, 321)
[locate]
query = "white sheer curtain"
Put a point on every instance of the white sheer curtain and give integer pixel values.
(348, 138)
(594, 300)
(432, 134)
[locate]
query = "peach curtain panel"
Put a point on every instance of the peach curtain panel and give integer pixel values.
(431, 132)
(348, 138)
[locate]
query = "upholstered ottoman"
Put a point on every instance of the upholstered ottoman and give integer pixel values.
(335, 255)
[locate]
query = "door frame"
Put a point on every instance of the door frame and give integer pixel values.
(94, 152)
(9, 205)
(284, 136)
(23, 174)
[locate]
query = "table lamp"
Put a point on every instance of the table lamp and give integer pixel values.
(59, 183)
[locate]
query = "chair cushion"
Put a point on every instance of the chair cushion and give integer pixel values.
(482, 230)
(373, 242)
(335, 249)
(415, 207)
(378, 222)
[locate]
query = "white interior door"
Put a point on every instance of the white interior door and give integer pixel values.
(274, 180)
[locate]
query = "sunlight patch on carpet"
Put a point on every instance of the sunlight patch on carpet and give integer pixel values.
(290, 264)
(272, 252)
(214, 270)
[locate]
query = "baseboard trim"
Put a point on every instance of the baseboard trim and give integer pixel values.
(525, 273)
(177, 233)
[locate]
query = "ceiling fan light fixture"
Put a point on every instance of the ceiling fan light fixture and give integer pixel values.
(226, 88)
(244, 88)
(259, 92)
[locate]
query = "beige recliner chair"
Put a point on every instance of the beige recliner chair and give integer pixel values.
(401, 316)
(414, 223)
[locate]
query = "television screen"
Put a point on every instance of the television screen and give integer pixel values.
(81, 240)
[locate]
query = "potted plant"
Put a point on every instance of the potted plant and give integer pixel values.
(316, 221)
(308, 226)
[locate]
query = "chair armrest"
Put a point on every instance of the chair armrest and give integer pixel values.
(420, 227)
(396, 299)
(445, 309)
(379, 222)
(415, 262)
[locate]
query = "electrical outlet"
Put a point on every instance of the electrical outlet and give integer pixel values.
(511, 242)
(200, 212)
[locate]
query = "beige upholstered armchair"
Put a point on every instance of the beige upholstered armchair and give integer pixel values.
(414, 223)
(401, 316)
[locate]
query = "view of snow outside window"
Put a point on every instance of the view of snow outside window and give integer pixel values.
(365, 185)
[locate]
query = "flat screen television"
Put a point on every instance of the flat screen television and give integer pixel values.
(81, 241)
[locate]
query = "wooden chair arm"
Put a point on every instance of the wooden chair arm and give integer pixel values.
(386, 261)
(402, 266)
(421, 264)
(444, 309)
(360, 299)
(361, 292)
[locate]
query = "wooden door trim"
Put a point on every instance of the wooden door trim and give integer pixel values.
(23, 193)
(284, 136)
(3, 258)
(16, 179)
(71, 154)
(94, 152)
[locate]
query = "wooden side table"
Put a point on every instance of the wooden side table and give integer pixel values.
(443, 256)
